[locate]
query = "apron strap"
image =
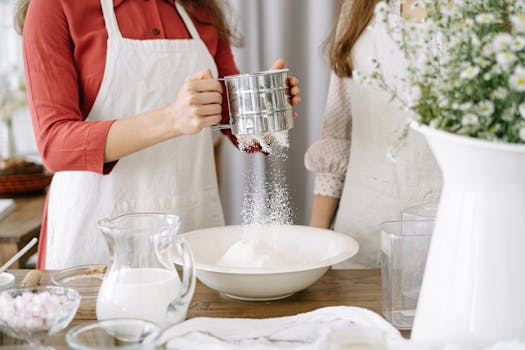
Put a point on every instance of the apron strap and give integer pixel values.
(110, 19)
(187, 21)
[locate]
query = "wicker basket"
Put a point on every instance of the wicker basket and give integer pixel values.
(24, 183)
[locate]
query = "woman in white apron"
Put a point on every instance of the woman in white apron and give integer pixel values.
(160, 97)
(356, 186)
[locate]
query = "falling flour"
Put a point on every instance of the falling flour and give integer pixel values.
(266, 205)
(267, 201)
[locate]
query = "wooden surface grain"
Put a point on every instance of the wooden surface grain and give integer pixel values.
(360, 288)
(19, 227)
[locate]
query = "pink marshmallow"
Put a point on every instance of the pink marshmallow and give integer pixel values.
(32, 312)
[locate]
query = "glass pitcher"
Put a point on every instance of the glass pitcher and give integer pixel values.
(142, 281)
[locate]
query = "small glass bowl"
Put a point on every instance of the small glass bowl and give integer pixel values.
(86, 282)
(7, 281)
(33, 313)
(121, 334)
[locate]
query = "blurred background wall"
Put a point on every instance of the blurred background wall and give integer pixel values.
(11, 72)
(292, 29)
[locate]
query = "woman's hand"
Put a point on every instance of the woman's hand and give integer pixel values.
(293, 88)
(198, 104)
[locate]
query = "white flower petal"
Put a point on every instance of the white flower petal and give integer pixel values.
(521, 109)
(502, 42)
(486, 108)
(522, 134)
(505, 58)
(518, 22)
(469, 73)
(470, 119)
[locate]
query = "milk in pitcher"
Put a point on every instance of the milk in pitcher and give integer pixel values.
(143, 293)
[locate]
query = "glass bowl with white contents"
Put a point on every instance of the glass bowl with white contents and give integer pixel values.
(34, 313)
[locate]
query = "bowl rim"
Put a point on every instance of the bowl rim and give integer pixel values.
(73, 331)
(83, 294)
(10, 282)
(73, 291)
(256, 74)
(353, 248)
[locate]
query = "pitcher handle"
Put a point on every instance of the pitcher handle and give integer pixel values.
(172, 250)
(185, 294)
(188, 274)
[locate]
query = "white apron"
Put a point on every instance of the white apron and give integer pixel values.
(176, 176)
(376, 189)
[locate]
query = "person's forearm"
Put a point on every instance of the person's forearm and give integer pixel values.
(197, 106)
(132, 134)
(323, 211)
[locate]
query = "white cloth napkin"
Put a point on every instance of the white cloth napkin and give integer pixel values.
(410, 345)
(307, 331)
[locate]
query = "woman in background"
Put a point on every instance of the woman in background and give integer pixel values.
(356, 186)
(122, 94)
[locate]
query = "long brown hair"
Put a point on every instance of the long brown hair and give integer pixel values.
(216, 11)
(350, 24)
(20, 15)
(213, 7)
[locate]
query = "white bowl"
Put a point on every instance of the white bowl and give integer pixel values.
(266, 262)
(7, 281)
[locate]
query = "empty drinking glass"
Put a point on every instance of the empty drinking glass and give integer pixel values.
(404, 249)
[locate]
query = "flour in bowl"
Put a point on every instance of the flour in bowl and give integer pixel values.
(254, 254)
(266, 205)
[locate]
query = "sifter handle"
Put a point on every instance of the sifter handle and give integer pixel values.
(220, 126)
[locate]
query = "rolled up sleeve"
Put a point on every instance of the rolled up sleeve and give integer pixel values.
(65, 140)
(328, 157)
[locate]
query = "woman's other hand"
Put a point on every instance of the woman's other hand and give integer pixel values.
(293, 85)
(198, 104)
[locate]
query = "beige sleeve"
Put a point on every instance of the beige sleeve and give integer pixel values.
(328, 157)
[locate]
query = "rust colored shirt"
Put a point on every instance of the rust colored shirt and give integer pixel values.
(65, 54)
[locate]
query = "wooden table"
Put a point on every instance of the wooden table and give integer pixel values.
(337, 287)
(21, 226)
